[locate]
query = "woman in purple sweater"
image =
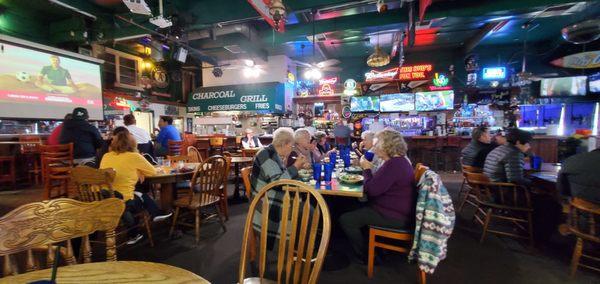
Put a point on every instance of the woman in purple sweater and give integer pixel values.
(391, 192)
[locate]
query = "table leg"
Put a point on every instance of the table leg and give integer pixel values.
(236, 193)
(166, 196)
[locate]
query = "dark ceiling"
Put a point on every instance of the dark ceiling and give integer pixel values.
(343, 29)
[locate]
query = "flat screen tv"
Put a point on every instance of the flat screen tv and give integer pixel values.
(594, 83)
(364, 104)
(397, 102)
(438, 100)
(39, 84)
(563, 86)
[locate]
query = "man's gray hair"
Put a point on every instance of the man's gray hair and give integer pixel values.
(301, 133)
(283, 136)
(368, 134)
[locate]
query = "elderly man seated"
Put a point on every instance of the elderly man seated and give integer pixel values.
(250, 141)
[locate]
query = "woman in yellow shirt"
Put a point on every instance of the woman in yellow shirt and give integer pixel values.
(130, 167)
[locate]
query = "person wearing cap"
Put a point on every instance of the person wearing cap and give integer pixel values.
(250, 141)
(85, 137)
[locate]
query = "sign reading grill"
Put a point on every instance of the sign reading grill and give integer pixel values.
(252, 97)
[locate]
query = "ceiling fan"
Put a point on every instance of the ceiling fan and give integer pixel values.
(315, 68)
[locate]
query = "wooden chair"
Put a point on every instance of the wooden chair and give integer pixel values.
(246, 172)
(223, 203)
(42, 225)
(8, 172)
(249, 152)
(30, 150)
(583, 222)
(468, 196)
(296, 247)
(194, 155)
(175, 147)
(56, 161)
(503, 202)
(178, 158)
(394, 234)
(207, 180)
(95, 185)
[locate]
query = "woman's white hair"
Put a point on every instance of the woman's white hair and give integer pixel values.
(283, 136)
(368, 134)
(301, 133)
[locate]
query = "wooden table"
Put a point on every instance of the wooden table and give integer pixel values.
(112, 272)
(547, 173)
(236, 161)
(166, 181)
(337, 188)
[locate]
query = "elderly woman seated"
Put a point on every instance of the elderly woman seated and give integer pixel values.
(390, 191)
(269, 166)
(250, 141)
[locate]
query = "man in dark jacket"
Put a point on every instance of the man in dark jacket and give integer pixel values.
(505, 163)
(579, 176)
(85, 137)
(481, 145)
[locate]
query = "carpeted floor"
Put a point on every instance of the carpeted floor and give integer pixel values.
(497, 260)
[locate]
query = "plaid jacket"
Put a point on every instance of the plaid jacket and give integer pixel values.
(268, 168)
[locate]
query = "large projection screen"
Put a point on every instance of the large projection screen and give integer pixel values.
(39, 84)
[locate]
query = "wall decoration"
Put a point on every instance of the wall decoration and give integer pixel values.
(160, 77)
(494, 73)
(327, 86)
(381, 76)
(350, 87)
(582, 60)
(440, 80)
(415, 72)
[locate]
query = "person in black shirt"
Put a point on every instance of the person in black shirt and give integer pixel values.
(579, 177)
(481, 145)
(85, 137)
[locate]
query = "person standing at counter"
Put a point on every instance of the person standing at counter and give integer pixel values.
(481, 145)
(54, 138)
(85, 137)
(250, 141)
(167, 132)
(505, 163)
(342, 133)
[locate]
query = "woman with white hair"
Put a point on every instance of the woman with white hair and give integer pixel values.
(390, 190)
(250, 141)
(304, 147)
(268, 167)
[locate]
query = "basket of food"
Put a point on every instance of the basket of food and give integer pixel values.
(305, 174)
(353, 170)
(350, 178)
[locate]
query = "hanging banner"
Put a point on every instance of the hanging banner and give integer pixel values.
(583, 60)
(267, 97)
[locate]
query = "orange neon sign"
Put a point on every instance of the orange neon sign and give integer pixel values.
(415, 72)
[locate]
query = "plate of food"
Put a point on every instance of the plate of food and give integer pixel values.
(354, 170)
(305, 174)
(350, 178)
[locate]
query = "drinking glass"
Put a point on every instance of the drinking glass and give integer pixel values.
(328, 172)
(369, 156)
(316, 171)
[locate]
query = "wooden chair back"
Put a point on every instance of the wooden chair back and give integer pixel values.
(499, 194)
(216, 141)
(175, 147)
(31, 144)
(584, 219)
(47, 223)
(471, 169)
(249, 152)
(300, 221)
(56, 155)
(194, 154)
(93, 184)
(178, 158)
(208, 179)
(420, 169)
(246, 172)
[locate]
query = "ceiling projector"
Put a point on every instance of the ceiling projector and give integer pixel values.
(161, 22)
(138, 7)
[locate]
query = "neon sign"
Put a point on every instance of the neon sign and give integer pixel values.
(415, 72)
(121, 103)
(350, 87)
(494, 73)
(327, 88)
(379, 76)
(440, 80)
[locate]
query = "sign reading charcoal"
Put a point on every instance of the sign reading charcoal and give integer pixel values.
(267, 97)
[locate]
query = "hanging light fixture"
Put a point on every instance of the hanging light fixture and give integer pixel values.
(277, 12)
(378, 58)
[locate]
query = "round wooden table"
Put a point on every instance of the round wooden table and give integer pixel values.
(167, 180)
(112, 272)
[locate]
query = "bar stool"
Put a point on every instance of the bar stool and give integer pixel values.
(8, 171)
(30, 151)
(451, 153)
(430, 153)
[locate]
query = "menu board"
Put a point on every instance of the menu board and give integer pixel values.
(438, 100)
(397, 102)
(364, 104)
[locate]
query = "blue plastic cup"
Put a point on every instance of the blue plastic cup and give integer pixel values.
(346, 161)
(316, 171)
(369, 156)
(332, 157)
(536, 163)
(328, 172)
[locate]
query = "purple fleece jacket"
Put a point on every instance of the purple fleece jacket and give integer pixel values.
(391, 190)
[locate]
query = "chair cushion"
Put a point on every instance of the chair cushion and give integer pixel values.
(394, 230)
(195, 204)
